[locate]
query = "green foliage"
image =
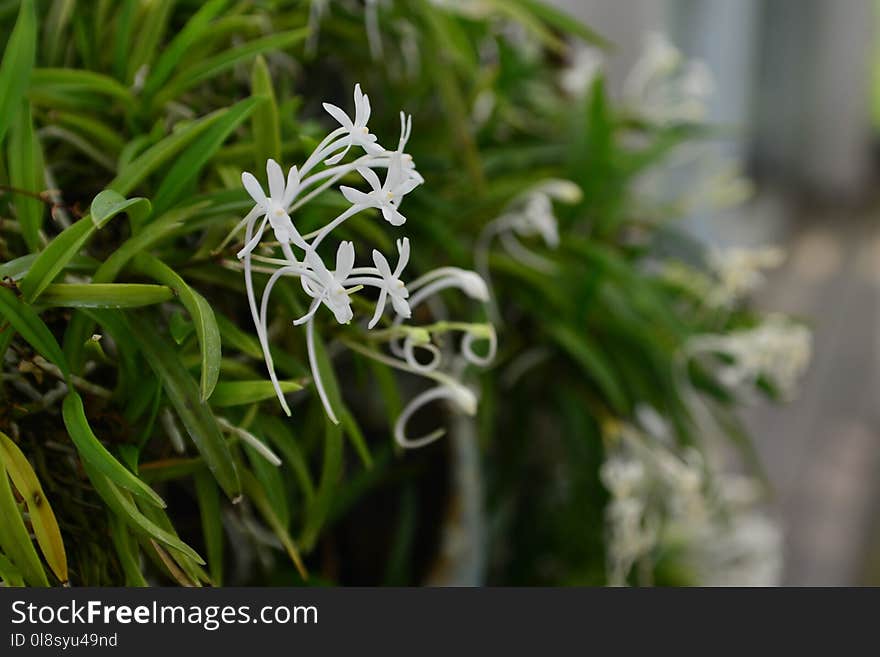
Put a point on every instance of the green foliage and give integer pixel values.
(146, 113)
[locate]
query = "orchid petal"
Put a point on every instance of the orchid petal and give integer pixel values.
(339, 114)
(276, 180)
(382, 265)
(401, 307)
(338, 157)
(344, 260)
(403, 259)
(253, 187)
(392, 216)
(380, 307)
(371, 178)
(292, 187)
(355, 196)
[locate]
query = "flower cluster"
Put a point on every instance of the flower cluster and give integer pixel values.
(777, 349)
(649, 483)
(665, 88)
(664, 498)
(740, 271)
(389, 176)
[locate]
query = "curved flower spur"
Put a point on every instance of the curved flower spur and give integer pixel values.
(334, 288)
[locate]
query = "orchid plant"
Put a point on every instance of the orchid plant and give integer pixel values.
(334, 288)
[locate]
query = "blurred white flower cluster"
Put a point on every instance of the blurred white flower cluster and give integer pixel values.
(777, 349)
(665, 88)
(333, 288)
(739, 271)
(666, 500)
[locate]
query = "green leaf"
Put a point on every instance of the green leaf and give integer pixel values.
(208, 496)
(54, 40)
(265, 123)
(238, 393)
(92, 451)
(256, 494)
(66, 80)
(189, 165)
(9, 574)
(271, 479)
(105, 295)
(121, 504)
(581, 349)
(151, 25)
(175, 52)
(125, 26)
(279, 432)
(127, 551)
(66, 245)
(195, 414)
(14, 538)
(199, 310)
(213, 66)
(148, 162)
(17, 63)
(331, 471)
(108, 203)
(27, 323)
(26, 173)
(562, 22)
(188, 565)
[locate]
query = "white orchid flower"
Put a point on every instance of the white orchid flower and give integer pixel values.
(537, 218)
(357, 132)
(384, 197)
(407, 163)
(327, 286)
(334, 288)
(274, 206)
(393, 287)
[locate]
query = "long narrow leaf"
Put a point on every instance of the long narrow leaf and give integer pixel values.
(202, 315)
(92, 451)
(122, 505)
(17, 63)
(26, 173)
(27, 323)
(64, 247)
(105, 295)
(190, 163)
(183, 393)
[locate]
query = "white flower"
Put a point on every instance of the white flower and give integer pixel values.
(333, 288)
(384, 197)
(740, 271)
(665, 88)
(408, 166)
(622, 476)
(393, 287)
(358, 134)
(778, 349)
(586, 65)
(274, 206)
(537, 218)
(327, 287)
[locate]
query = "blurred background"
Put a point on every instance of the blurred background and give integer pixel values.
(797, 83)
